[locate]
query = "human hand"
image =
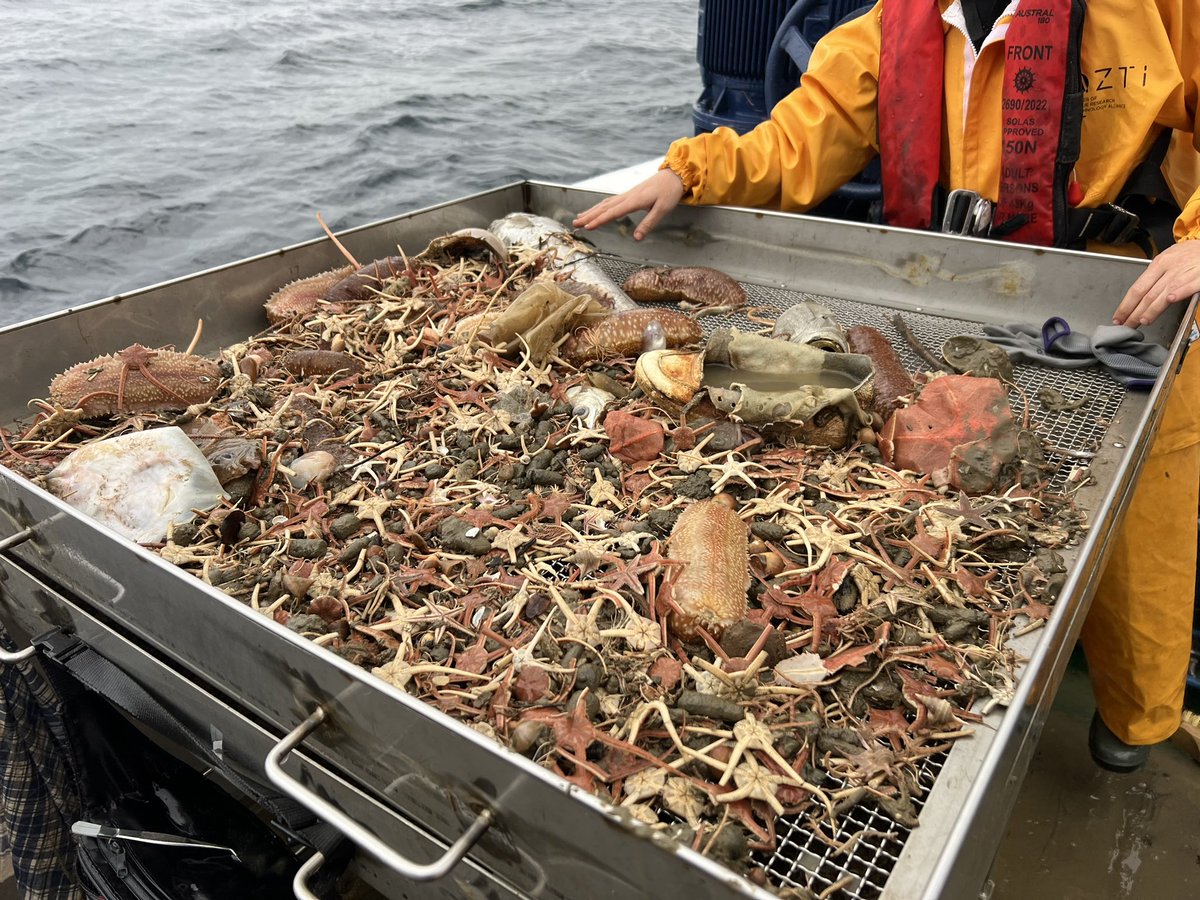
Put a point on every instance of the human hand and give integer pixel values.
(660, 193)
(1172, 276)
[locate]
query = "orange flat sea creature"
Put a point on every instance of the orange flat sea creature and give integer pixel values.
(136, 379)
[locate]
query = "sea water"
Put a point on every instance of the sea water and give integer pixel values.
(144, 141)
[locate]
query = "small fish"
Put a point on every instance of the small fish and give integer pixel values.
(571, 255)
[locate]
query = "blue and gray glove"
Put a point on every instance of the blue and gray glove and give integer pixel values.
(1123, 351)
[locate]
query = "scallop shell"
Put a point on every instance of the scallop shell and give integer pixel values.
(174, 381)
(311, 468)
(711, 589)
(670, 378)
(466, 242)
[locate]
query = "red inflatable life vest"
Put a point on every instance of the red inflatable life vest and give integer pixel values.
(1042, 116)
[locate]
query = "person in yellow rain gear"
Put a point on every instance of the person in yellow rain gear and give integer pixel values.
(1044, 116)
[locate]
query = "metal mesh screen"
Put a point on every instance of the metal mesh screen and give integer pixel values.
(1075, 431)
(861, 853)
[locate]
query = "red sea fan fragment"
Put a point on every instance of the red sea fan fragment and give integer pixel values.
(960, 431)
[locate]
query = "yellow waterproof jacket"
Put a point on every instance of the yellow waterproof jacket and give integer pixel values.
(1141, 61)
(1141, 64)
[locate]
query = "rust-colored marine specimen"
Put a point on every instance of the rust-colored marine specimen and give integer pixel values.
(961, 431)
(136, 379)
(892, 380)
(689, 286)
(365, 282)
(299, 298)
(624, 335)
(711, 589)
(321, 362)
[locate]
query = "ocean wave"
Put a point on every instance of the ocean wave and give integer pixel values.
(185, 140)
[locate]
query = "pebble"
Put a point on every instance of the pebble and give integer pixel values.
(697, 486)
(350, 552)
(740, 638)
(546, 478)
(725, 436)
(303, 622)
(661, 521)
(768, 531)
(240, 488)
(453, 532)
(591, 703)
(435, 470)
(184, 533)
(345, 526)
(307, 548)
(510, 511)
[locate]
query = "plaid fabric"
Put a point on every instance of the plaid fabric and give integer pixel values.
(39, 783)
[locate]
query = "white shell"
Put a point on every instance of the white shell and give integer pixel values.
(138, 484)
(801, 669)
(587, 403)
(314, 466)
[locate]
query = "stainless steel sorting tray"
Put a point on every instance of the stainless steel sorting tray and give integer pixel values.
(549, 839)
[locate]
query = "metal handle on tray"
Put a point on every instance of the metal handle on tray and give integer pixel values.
(353, 830)
(300, 882)
(15, 656)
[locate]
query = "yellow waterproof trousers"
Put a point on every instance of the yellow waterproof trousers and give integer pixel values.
(1138, 634)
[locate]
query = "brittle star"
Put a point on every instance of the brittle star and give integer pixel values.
(733, 468)
(372, 509)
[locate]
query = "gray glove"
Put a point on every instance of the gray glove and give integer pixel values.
(1024, 343)
(1126, 355)
(1123, 351)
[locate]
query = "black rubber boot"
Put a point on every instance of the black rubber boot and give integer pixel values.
(1111, 753)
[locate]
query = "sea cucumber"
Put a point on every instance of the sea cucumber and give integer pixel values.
(136, 379)
(623, 334)
(321, 362)
(711, 589)
(892, 380)
(364, 282)
(694, 286)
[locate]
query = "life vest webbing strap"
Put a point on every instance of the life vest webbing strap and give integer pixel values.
(911, 62)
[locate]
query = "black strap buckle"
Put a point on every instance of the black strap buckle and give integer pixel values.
(1122, 226)
(967, 213)
(1107, 223)
(59, 646)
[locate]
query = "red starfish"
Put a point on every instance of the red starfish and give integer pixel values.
(555, 503)
(138, 357)
(628, 575)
